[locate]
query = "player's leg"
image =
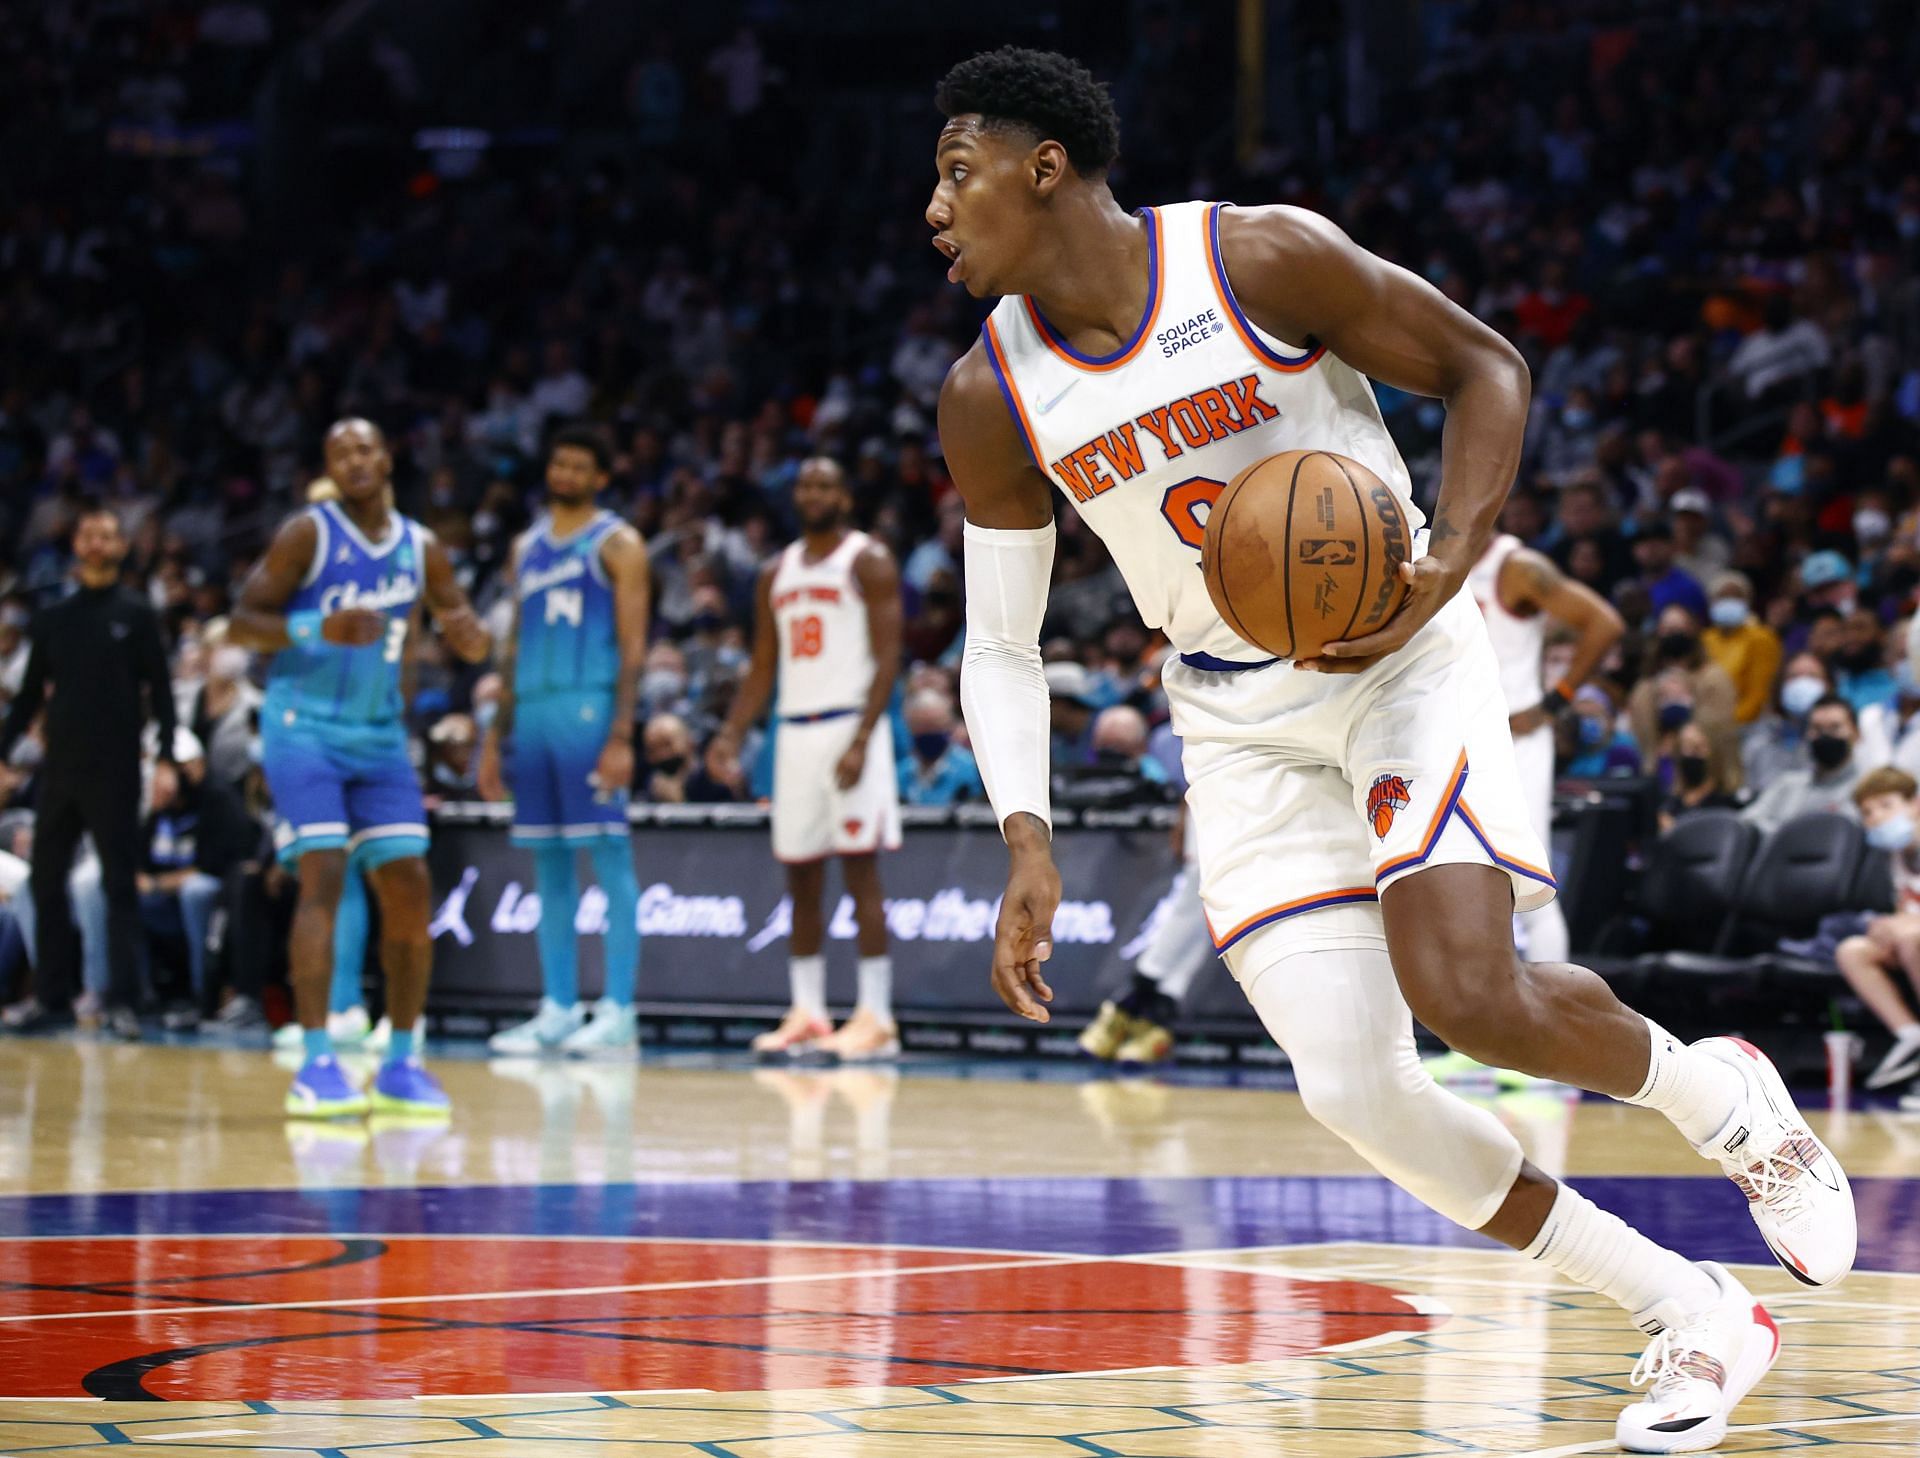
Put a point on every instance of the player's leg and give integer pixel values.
(539, 827)
(1865, 963)
(612, 1026)
(806, 1022)
(1434, 783)
(870, 1033)
(321, 1089)
(802, 840)
(1545, 927)
(389, 839)
(348, 1025)
(405, 893)
(1179, 951)
(866, 821)
(1325, 989)
(596, 819)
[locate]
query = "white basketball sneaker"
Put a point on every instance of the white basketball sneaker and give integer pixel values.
(1796, 1191)
(545, 1031)
(1696, 1369)
(611, 1030)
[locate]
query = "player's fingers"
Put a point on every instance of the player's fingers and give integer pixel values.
(1038, 983)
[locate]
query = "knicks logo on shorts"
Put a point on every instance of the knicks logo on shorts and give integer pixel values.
(852, 827)
(1385, 797)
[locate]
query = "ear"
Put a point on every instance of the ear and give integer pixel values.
(1049, 167)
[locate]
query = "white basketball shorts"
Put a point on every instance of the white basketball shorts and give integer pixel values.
(812, 816)
(1313, 790)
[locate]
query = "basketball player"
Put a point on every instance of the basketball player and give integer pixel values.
(571, 671)
(1519, 592)
(1362, 838)
(828, 614)
(333, 600)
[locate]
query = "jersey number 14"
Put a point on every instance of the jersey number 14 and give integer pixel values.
(564, 605)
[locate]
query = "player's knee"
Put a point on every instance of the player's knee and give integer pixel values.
(406, 899)
(322, 875)
(1346, 1099)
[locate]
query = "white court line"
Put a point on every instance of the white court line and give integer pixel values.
(1066, 1376)
(204, 1433)
(780, 1241)
(1607, 1445)
(536, 1396)
(782, 1279)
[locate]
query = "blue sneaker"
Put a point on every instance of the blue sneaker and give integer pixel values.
(407, 1088)
(322, 1090)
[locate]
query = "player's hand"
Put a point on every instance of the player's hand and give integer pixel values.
(1528, 720)
(487, 779)
(1430, 585)
(723, 759)
(853, 764)
(465, 634)
(353, 627)
(1023, 938)
(613, 771)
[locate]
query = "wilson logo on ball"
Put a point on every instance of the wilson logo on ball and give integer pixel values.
(1386, 796)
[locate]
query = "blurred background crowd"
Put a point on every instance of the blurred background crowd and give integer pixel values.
(223, 225)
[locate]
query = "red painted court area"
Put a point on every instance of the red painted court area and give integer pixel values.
(269, 1317)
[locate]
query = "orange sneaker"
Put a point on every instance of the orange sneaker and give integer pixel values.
(797, 1033)
(863, 1038)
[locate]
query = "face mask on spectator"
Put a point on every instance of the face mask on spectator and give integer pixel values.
(1829, 751)
(484, 715)
(662, 685)
(1870, 525)
(1729, 612)
(1800, 693)
(1677, 645)
(1693, 770)
(670, 766)
(930, 747)
(1593, 733)
(707, 623)
(1673, 716)
(1892, 835)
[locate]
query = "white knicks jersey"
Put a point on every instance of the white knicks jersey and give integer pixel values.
(1517, 642)
(826, 654)
(1144, 439)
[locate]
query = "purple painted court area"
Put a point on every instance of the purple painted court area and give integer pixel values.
(1704, 1218)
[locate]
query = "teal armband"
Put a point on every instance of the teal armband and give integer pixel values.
(304, 628)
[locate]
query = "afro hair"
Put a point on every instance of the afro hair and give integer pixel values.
(1050, 96)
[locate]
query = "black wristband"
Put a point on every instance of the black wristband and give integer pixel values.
(1554, 700)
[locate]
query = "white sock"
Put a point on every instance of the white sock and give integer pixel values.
(876, 987)
(1596, 1249)
(1697, 1092)
(808, 978)
(1908, 1034)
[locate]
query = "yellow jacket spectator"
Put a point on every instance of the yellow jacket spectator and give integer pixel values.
(1741, 644)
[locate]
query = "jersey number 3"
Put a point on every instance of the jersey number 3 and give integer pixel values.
(1182, 504)
(808, 636)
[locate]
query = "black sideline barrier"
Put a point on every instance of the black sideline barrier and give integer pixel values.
(713, 917)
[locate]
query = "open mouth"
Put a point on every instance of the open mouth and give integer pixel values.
(952, 251)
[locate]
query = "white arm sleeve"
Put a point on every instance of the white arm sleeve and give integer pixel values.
(1003, 689)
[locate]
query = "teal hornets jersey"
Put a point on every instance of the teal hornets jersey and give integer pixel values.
(569, 641)
(351, 686)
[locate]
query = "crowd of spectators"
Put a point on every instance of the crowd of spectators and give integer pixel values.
(1701, 229)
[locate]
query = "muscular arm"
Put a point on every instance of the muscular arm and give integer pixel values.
(630, 571)
(1300, 278)
(1531, 583)
(260, 620)
(879, 579)
(453, 615)
(489, 778)
(1003, 690)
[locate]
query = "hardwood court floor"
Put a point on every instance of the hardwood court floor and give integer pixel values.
(694, 1257)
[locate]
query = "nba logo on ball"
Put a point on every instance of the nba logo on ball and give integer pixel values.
(1385, 797)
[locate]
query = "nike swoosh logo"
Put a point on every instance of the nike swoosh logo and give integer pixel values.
(1047, 405)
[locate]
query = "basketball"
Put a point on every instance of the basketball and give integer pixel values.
(1304, 549)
